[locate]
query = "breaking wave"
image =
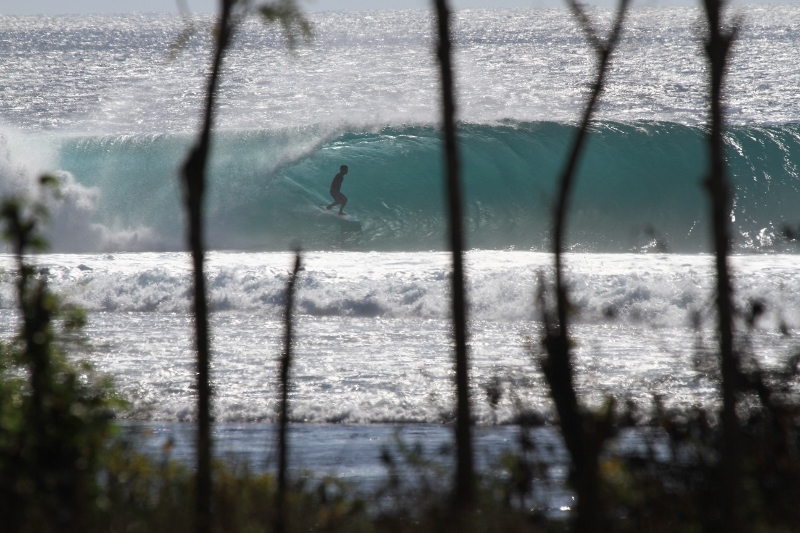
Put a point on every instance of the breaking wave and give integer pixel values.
(639, 188)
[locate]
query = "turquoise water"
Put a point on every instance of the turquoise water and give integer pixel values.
(637, 182)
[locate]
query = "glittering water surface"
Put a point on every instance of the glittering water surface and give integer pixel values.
(353, 453)
(110, 74)
(373, 341)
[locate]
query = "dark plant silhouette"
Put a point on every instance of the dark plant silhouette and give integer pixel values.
(463, 490)
(194, 179)
(283, 414)
(717, 46)
(583, 432)
(55, 415)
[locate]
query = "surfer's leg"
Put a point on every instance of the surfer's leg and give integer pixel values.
(336, 200)
(343, 199)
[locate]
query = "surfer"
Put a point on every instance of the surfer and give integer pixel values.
(339, 198)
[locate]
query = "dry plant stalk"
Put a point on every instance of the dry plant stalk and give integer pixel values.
(583, 434)
(194, 178)
(718, 43)
(463, 490)
(283, 406)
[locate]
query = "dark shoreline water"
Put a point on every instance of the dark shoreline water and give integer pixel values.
(350, 453)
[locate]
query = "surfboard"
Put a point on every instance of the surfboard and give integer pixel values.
(335, 213)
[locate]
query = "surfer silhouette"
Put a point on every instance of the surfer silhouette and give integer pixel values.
(339, 198)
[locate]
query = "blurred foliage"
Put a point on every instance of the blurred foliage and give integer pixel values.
(55, 415)
(670, 480)
(294, 24)
(286, 13)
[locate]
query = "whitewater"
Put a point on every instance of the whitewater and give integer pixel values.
(106, 105)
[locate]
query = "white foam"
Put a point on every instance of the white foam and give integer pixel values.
(374, 335)
(24, 158)
(655, 289)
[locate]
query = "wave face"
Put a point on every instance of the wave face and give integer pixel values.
(639, 187)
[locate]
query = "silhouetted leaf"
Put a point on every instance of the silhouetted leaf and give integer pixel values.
(292, 21)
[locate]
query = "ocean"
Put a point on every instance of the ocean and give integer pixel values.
(100, 102)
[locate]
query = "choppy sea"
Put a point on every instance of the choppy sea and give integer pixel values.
(102, 103)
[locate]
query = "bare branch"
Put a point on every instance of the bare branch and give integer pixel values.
(717, 46)
(591, 33)
(283, 415)
(586, 24)
(583, 433)
(464, 482)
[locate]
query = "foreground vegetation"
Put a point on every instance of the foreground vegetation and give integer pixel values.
(64, 466)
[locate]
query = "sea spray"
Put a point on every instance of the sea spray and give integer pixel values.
(72, 225)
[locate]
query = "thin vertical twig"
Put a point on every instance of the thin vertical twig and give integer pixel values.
(463, 490)
(194, 178)
(283, 413)
(717, 46)
(580, 433)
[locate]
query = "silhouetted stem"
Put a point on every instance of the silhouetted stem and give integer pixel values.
(283, 418)
(579, 431)
(194, 175)
(463, 492)
(717, 46)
